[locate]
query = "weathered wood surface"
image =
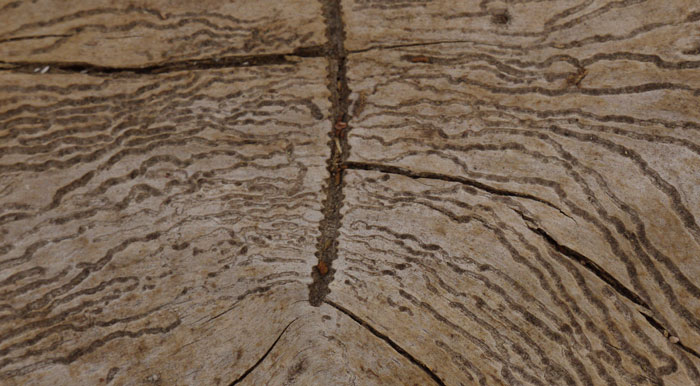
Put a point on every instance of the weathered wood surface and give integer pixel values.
(146, 33)
(481, 296)
(157, 226)
(513, 200)
(556, 240)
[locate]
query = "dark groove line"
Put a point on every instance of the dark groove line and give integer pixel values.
(406, 45)
(445, 177)
(19, 38)
(250, 370)
(603, 275)
(591, 266)
(327, 246)
(688, 349)
(390, 342)
(581, 259)
(194, 64)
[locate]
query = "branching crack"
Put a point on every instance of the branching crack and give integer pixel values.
(327, 246)
(445, 177)
(572, 254)
(250, 370)
(193, 64)
(386, 339)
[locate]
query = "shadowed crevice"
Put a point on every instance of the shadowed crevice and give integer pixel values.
(406, 45)
(591, 266)
(327, 245)
(34, 37)
(608, 278)
(184, 65)
(390, 342)
(445, 177)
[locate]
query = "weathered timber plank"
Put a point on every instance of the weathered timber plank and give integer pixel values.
(602, 130)
(327, 347)
(580, 122)
(520, 204)
(532, 27)
(143, 33)
(459, 279)
(156, 228)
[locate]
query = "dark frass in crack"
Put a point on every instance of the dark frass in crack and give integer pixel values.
(327, 245)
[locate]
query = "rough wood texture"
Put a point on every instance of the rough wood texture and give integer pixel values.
(350, 192)
(327, 347)
(623, 176)
(461, 278)
(579, 122)
(149, 221)
(536, 28)
(141, 33)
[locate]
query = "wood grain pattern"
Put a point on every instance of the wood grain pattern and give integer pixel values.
(151, 32)
(534, 28)
(461, 279)
(580, 121)
(623, 175)
(156, 227)
(350, 192)
(327, 347)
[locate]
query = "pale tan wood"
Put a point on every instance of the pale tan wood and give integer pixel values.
(152, 32)
(623, 175)
(579, 122)
(516, 200)
(156, 227)
(457, 277)
(326, 347)
(529, 27)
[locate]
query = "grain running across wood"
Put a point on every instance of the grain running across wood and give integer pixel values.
(460, 279)
(583, 116)
(152, 221)
(146, 33)
(493, 192)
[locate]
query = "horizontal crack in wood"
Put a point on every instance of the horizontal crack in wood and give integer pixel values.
(444, 177)
(20, 38)
(194, 64)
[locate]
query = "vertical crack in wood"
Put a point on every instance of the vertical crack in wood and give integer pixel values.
(327, 246)
(386, 339)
